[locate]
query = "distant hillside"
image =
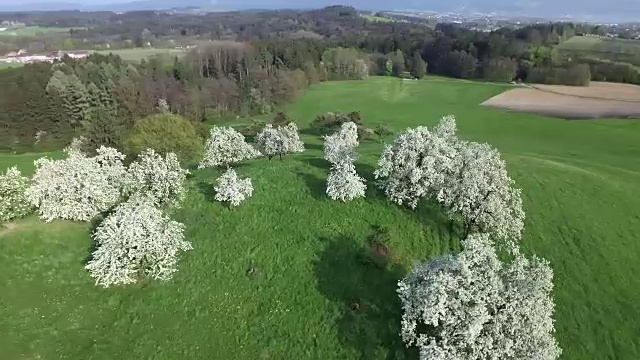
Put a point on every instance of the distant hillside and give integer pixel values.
(622, 10)
(621, 50)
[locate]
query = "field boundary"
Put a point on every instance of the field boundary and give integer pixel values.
(535, 87)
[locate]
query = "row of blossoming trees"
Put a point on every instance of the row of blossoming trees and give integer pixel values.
(473, 305)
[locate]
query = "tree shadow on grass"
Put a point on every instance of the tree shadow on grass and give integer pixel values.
(314, 146)
(366, 295)
(207, 190)
(316, 185)
(94, 225)
(317, 162)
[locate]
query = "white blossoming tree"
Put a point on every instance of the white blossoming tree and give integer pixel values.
(159, 179)
(481, 192)
(447, 128)
(78, 187)
(291, 139)
(13, 202)
(270, 142)
(278, 141)
(340, 147)
(232, 189)
(472, 306)
(343, 182)
(137, 240)
(417, 165)
(226, 147)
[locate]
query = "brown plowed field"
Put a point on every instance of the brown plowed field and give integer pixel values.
(598, 100)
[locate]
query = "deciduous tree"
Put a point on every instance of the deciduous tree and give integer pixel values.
(483, 194)
(226, 147)
(165, 133)
(13, 202)
(474, 306)
(78, 187)
(232, 189)
(160, 180)
(136, 241)
(417, 165)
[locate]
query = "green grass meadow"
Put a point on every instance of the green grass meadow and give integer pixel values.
(35, 30)
(375, 18)
(138, 54)
(622, 50)
(580, 181)
(4, 65)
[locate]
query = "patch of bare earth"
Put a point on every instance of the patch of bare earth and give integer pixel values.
(599, 100)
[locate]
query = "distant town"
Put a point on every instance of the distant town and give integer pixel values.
(23, 57)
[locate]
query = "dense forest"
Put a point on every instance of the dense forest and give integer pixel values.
(250, 63)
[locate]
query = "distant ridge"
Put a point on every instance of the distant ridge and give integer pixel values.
(613, 10)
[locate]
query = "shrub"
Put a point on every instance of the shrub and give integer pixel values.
(160, 180)
(226, 147)
(165, 133)
(382, 132)
(250, 132)
(331, 122)
(281, 119)
(13, 202)
(473, 306)
(78, 187)
(232, 189)
(134, 242)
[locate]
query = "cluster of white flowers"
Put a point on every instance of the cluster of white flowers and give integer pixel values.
(159, 179)
(343, 182)
(76, 145)
(225, 147)
(136, 241)
(472, 306)
(468, 178)
(417, 165)
(13, 202)
(232, 189)
(340, 147)
(279, 141)
(78, 187)
(482, 192)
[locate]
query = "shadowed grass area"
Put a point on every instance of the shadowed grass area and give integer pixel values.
(285, 274)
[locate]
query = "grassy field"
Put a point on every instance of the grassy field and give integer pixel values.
(34, 30)
(142, 53)
(580, 181)
(376, 18)
(622, 50)
(4, 65)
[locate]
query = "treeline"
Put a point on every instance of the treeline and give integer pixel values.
(395, 48)
(102, 97)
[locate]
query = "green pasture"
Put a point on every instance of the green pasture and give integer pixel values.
(278, 277)
(621, 50)
(4, 65)
(376, 18)
(138, 54)
(35, 30)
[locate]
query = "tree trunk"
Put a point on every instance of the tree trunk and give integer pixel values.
(467, 228)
